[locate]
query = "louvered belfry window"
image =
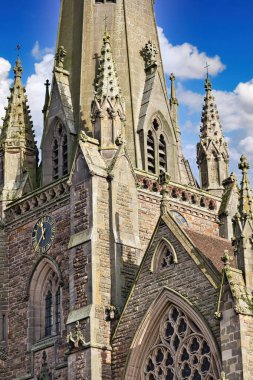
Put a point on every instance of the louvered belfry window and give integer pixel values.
(162, 155)
(151, 152)
(65, 155)
(55, 160)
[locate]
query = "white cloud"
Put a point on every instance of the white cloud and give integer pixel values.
(185, 60)
(39, 53)
(5, 82)
(36, 92)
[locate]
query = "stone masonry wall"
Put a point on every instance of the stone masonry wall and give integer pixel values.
(21, 261)
(201, 293)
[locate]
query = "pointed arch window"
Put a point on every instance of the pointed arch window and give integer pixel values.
(151, 152)
(55, 160)
(65, 154)
(60, 152)
(45, 303)
(180, 351)
(162, 155)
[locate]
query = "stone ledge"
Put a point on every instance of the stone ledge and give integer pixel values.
(80, 238)
(44, 343)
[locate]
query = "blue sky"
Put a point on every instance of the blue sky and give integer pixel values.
(191, 32)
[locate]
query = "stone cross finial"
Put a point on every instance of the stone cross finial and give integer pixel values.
(207, 70)
(60, 57)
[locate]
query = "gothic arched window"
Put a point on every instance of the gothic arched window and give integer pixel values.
(45, 303)
(55, 160)
(162, 155)
(151, 152)
(60, 152)
(180, 351)
(64, 155)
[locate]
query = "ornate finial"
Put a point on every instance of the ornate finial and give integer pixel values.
(226, 259)
(60, 57)
(18, 48)
(149, 54)
(164, 180)
(47, 85)
(207, 70)
(244, 165)
(173, 90)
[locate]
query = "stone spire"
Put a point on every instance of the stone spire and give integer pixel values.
(243, 227)
(18, 150)
(212, 150)
(108, 108)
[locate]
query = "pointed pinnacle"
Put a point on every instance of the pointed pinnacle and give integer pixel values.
(174, 99)
(18, 69)
(208, 85)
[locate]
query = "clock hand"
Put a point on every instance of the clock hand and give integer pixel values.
(43, 230)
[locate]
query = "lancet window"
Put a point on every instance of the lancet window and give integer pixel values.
(156, 148)
(180, 351)
(45, 303)
(162, 155)
(167, 259)
(59, 152)
(151, 152)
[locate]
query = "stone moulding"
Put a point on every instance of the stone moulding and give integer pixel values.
(183, 194)
(37, 200)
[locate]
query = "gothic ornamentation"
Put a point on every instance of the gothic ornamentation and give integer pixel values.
(75, 340)
(111, 313)
(149, 53)
(180, 352)
(60, 57)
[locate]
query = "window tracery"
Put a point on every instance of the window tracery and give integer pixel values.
(167, 259)
(180, 352)
(59, 152)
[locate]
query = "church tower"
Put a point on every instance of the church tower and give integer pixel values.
(18, 150)
(152, 139)
(212, 150)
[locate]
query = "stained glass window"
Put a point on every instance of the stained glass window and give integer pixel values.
(180, 352)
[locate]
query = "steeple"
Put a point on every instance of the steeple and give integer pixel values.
(18, 150)
(108, 108)
(81, 22)
(212, 150)
(243, 226)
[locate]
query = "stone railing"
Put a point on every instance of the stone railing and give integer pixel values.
(37, 199)
(182, 193)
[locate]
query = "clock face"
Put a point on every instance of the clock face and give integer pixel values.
(43, 234)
